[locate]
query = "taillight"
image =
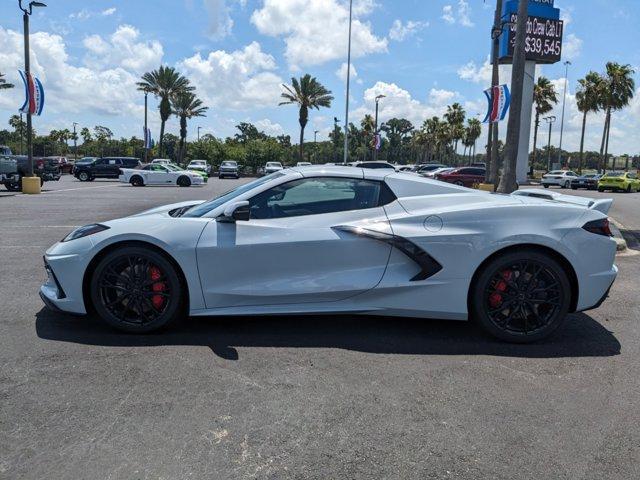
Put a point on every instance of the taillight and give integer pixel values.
(599, 227)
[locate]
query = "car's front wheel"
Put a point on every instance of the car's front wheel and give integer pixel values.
(184, 181)
(521, 297)
(84, 176)
(136, 181)
(545, 185)
(136, 290)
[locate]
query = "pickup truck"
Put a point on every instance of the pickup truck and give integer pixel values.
(14, 167)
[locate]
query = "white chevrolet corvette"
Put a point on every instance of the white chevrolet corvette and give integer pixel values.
(160, 174)
(322, 240)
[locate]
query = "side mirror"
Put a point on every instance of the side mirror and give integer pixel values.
(237, 211)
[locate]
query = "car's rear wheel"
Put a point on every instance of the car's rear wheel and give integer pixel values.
(629, 188)
(545, 185)
(567, 184)
(136, 290)
(459, 183)
(184, 181)
(84, 176)
(521, 297)
(136, 181)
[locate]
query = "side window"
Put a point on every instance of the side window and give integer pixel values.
(632, 176)
(100, 161)
(315, 196)
(112, 162)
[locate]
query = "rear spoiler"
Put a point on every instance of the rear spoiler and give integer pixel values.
(602, 206)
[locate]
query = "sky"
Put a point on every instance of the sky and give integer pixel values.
(421, 54)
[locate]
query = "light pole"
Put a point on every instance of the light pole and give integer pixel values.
(21, 135)
(346, 116)
(27, 70)
(147, 140)
(564, 101)
(336, 130)
(375, 129)
(199, 133)
(315, 144)
(75, 141)
(550, 120)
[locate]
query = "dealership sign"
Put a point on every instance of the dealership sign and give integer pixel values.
(545, 30)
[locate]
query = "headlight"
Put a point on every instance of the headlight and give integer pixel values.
(85, 231)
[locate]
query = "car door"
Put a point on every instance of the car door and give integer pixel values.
(301, 245)
(100, 167)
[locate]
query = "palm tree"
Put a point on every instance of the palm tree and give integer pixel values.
(306, 93)
(617, 89)
(588, 100)
(186, 105)
(3, 83)
(455, 117)
(544, 98)
(472, 133)
(164, 83)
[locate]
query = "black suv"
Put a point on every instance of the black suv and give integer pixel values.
(106, 167)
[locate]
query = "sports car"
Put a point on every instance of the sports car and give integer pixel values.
(619, 182)
(326, 240)
(158, 174)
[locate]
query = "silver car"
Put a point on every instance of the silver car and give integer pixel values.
(229, 168)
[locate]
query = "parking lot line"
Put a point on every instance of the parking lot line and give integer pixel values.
(81, 188)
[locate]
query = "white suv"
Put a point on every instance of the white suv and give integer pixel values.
(559, 178)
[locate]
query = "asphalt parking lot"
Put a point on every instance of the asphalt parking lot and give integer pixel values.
(301, 397)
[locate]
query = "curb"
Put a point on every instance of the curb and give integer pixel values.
(621, 243)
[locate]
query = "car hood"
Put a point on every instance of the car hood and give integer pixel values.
(164, 209)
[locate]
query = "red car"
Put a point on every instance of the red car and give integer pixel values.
(62, 162)
(465, 176)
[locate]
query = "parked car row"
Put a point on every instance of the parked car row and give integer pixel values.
(613, 181)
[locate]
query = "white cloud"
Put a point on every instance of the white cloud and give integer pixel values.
(314, 31)
(460, 15)
(122, 49)
(400, 31)
(267, 126)
(572, 47)
(482, 74)
(70, 88)
(220, 21)
(109, 11)
(341, 73)
(85, 13)
(238, 80)
(400, 104)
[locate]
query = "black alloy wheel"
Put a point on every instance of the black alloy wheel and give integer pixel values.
(521, 297)
(84, 176)
(184, 181)
(136, 181)
(136, 290)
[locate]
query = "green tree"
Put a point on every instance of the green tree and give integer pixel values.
(472, 133)
(85, 133)
(617, 89)
(3, 83)
(164, 83)
(544, 98)
(455, 117)
(398, 131)
(588, 100)
(307, 93)
(185, 105)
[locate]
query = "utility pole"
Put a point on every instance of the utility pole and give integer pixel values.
(564, 101)
(199, 133)
(508, 180)
(346, 118)
(21, 136)
(315, 144)
(336, 130)
(492, 143)
(375, 130)
(550, 120)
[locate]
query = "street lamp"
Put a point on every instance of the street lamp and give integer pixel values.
(336, 129)
(550, 120)
(346, 117)
(564, 101)
(75, 141)
(315, 144)
(27, 69)
(375, 129)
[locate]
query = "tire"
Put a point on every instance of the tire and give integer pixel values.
(150, 301)
(501, 275)
(545, 185)
(628, 188)
(574, 188)
(15, 186)
(84, 176)
(183, 181)
(136, 181)
(567, 184)
(220, 177)
(600, 189)
(459, 183)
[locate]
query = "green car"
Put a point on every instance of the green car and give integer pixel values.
(175, 167)
(619, 182)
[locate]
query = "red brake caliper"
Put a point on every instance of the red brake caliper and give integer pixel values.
(495, 299)
(157, 300)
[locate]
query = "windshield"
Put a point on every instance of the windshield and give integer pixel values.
(615, 174)
(203, 209)
(274, 164)
(173, 167)
(229, 164)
